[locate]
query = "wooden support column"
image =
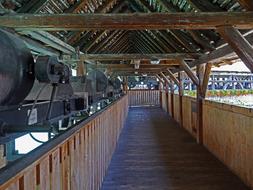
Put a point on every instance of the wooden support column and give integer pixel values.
(125, 84)
(166, 96)
(168, 83)
(205, 81)
(176, 81)
(181, 93)
(172, 98)
(161, 82)
(80, 69)
(203, 73)
(238, 43)
(200, 98)
(160, 94)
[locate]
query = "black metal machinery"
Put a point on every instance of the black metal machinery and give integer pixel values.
(148, 82)
(37, 93)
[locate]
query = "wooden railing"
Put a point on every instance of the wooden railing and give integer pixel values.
(227, 133)
(75, 160)
(144, 97)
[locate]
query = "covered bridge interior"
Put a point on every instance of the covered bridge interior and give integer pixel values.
(156, 138)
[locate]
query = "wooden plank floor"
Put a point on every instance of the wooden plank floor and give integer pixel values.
(154, 153)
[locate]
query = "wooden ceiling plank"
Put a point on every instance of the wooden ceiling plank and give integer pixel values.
(147, 42)
(169, 39)
(163, 41)
(152, 41)
(171, 8)
(105, 40)
(120, 40)
(102, 9)
(86, 47)
(33, 6)
(146, 48)
(102, 46)
(114, 40)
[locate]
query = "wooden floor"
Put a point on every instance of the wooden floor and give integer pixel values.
(154, 153)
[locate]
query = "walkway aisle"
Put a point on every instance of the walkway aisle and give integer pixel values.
(155, 154)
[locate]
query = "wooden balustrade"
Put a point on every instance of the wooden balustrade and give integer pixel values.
(144, 97)
(76, 160)
(227, 133)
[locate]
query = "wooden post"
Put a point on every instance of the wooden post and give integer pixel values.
(203, 74)
(125, 84)
(172, 98)
(200, 98)
(80, 69)
(166, 96)
(181, 93)
(160, 94)
(161, 82)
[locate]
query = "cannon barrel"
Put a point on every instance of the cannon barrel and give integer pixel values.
(16, 69)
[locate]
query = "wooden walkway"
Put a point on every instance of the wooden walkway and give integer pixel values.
(154, 153)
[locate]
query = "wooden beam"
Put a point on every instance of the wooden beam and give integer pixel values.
(247, 4)
(50, 41)
(189, 72)
(126, 66)
(165, 78)
(238, 43)
(157, 70)
(159, 78)
(134, 21)
(170, 56)
(218, 54)
(172, 77)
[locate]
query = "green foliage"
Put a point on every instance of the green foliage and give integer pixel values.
(220, 93)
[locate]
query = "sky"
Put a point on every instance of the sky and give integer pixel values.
(25, 143)
(238, 66)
